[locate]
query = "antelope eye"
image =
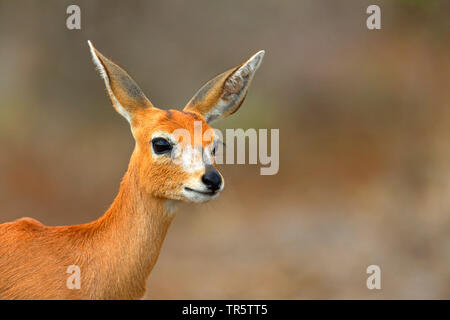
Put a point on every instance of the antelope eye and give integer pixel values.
(161, 146)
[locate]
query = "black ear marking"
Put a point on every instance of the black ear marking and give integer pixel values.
(192, 114)
(169, 114)
(130, 86)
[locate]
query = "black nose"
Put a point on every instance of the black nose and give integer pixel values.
(212, 179)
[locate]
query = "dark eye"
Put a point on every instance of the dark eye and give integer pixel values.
(161, 145)
(213, 151)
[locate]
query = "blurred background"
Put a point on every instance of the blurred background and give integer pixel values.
(364, 119)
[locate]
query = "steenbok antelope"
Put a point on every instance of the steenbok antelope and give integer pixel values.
(116, 253)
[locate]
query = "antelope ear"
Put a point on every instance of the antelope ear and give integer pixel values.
(126, 96)
(223, 95)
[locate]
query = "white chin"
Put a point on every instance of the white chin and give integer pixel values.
(199, 196)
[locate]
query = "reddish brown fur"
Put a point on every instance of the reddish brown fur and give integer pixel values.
(117, 252)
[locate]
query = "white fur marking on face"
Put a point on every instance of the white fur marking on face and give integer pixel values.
(193, 161)
(189, 158)
(196, 196)
(104, 75)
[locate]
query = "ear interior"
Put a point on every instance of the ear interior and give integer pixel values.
(223, 95)
(126, 96)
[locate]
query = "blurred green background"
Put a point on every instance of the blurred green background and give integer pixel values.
(364, 121)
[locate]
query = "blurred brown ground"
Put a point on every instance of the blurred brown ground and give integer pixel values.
(364, 121)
